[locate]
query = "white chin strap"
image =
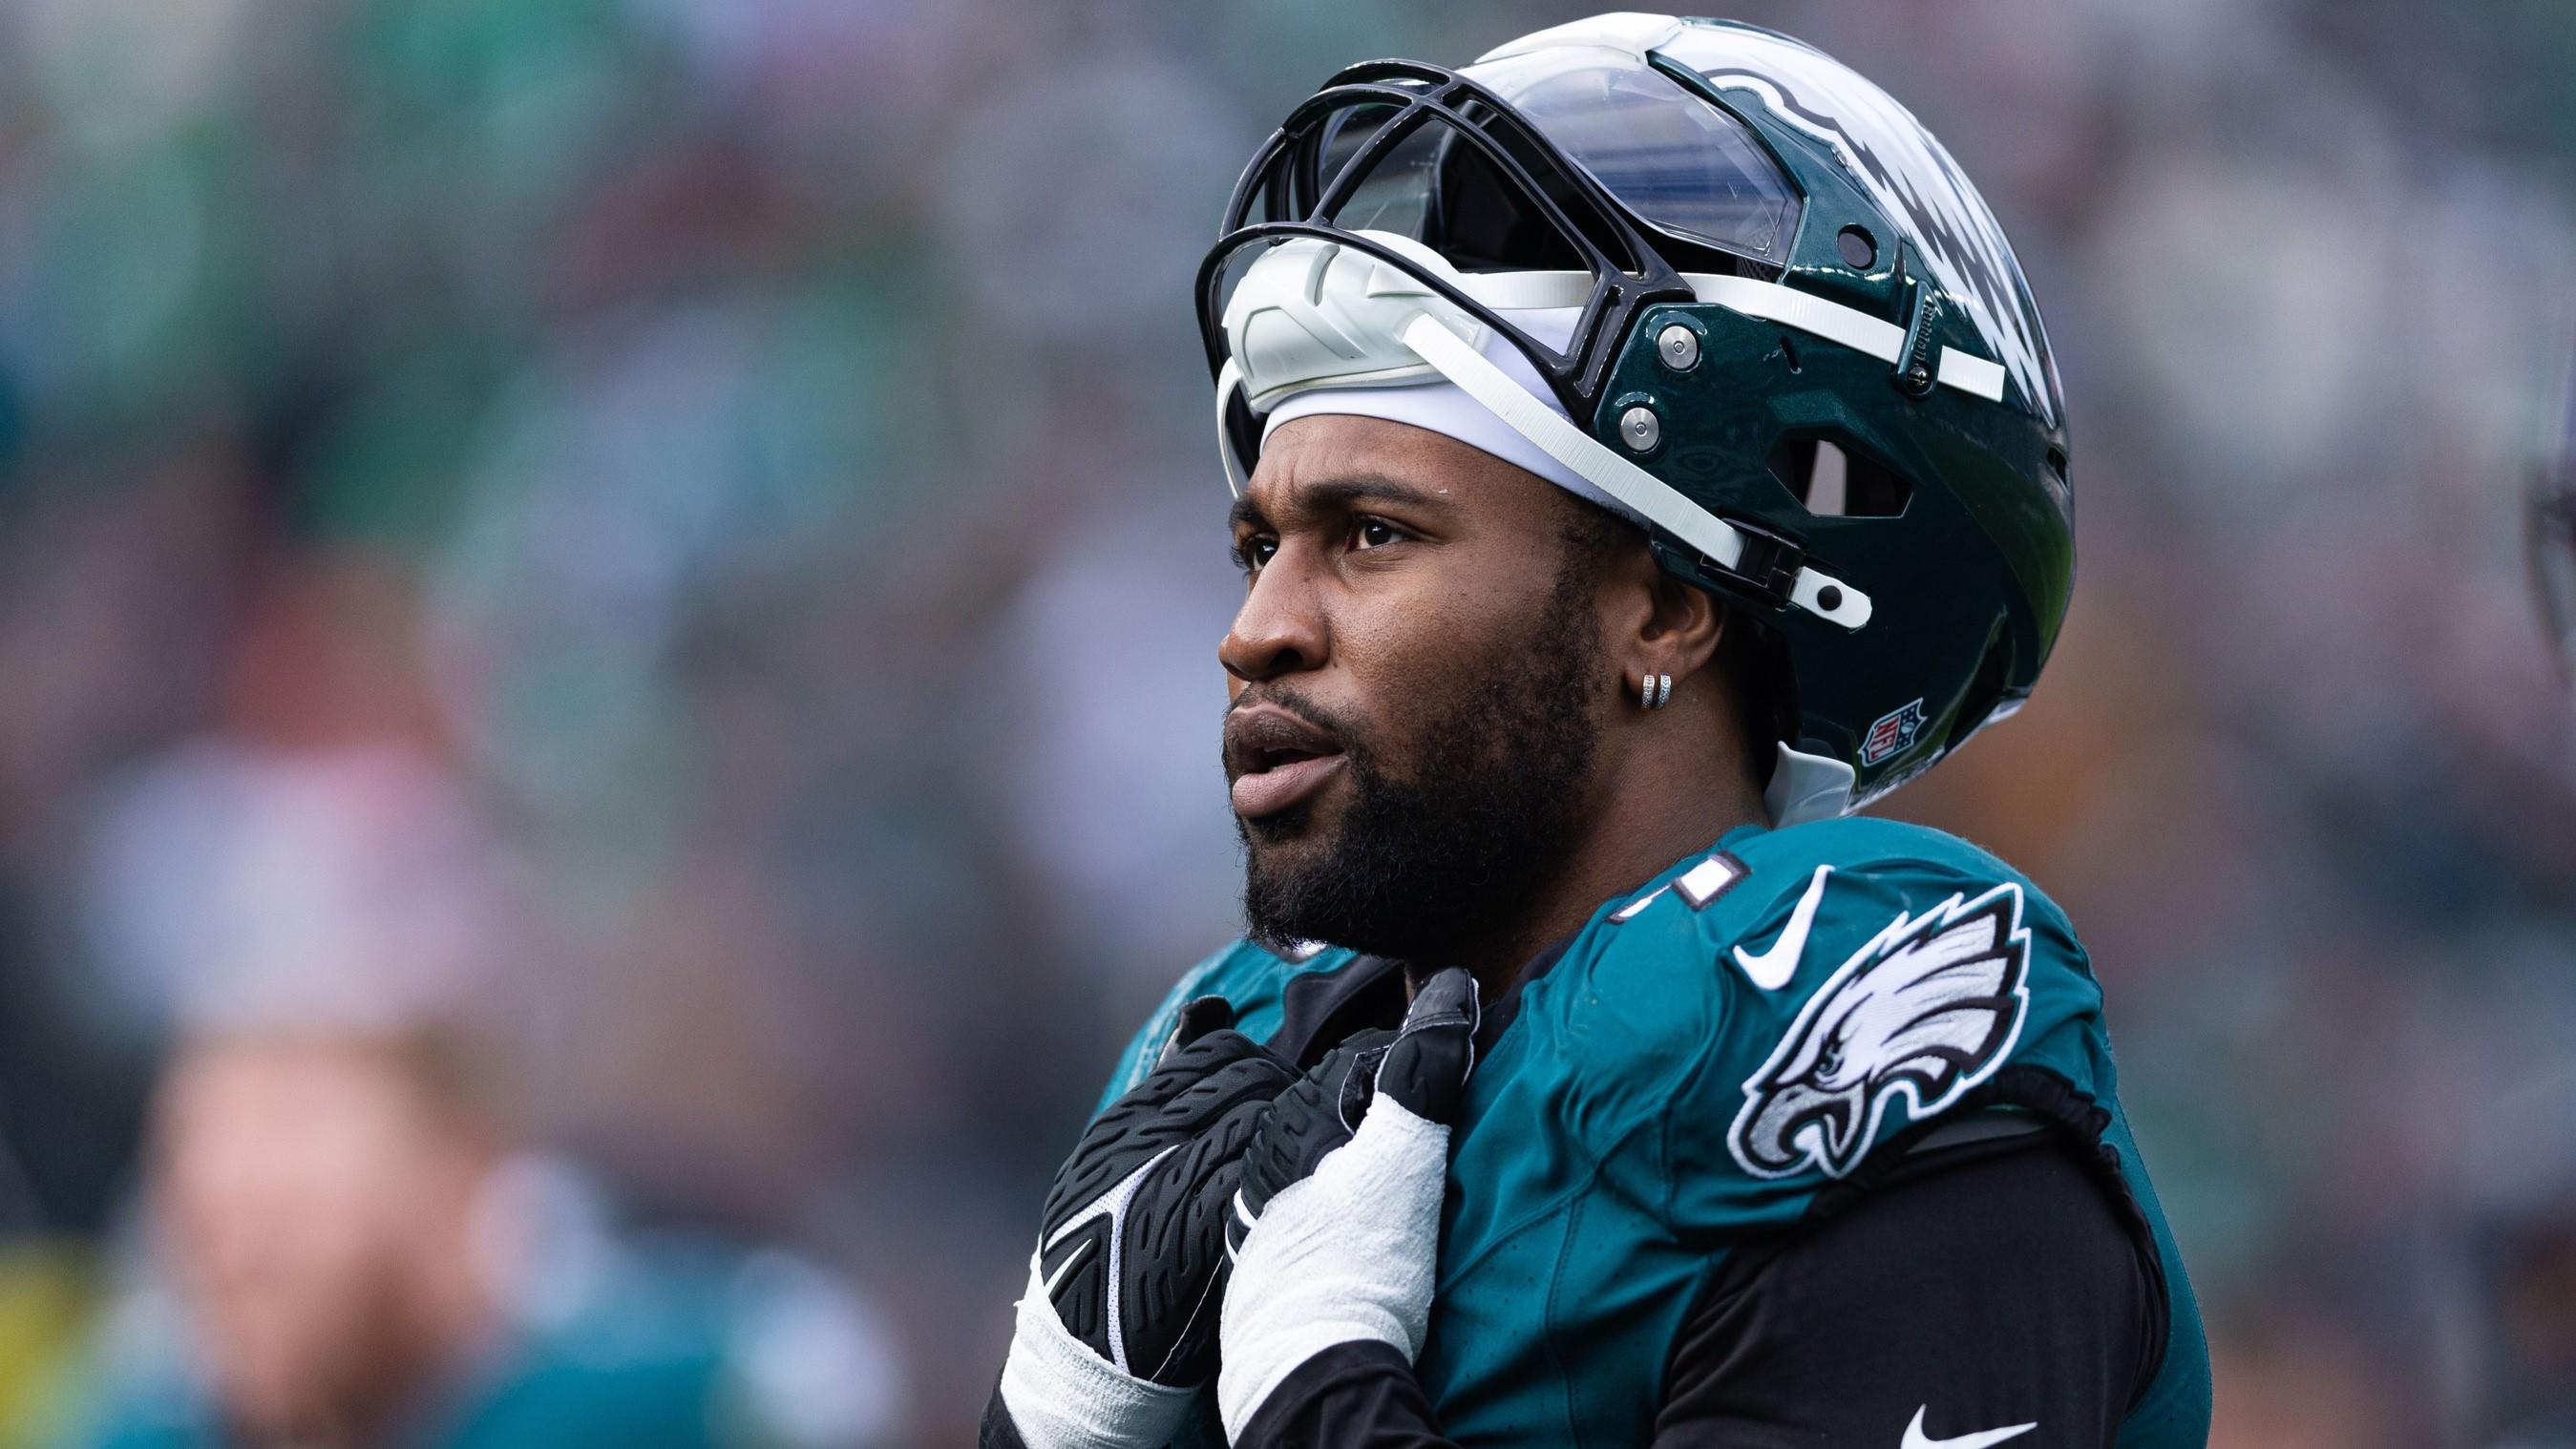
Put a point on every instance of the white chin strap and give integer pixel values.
(1310, 315)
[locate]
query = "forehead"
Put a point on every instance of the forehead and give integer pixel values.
(281, 1086)
(1330, 458)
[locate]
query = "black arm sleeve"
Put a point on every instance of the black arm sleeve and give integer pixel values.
(2001, 1284)
(1351, 1396)
(1984, 1287)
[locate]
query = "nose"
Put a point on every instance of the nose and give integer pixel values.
(1279, 630)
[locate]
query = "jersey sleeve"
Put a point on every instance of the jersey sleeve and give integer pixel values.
(1856, 996)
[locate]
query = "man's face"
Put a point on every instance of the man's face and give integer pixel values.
(299, 1183)
(1418, 671)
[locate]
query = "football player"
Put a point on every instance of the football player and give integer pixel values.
(1646, 452)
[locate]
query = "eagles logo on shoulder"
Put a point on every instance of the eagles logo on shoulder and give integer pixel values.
(1928, 1008)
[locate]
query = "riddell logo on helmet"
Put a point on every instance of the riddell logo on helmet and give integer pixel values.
(1894, 731)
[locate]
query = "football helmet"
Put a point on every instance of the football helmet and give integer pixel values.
(1712, 278)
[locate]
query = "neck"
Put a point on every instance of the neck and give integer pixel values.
(1653, 814)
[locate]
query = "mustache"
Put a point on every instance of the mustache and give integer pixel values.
(1348, 734)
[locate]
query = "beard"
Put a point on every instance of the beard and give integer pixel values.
(1418, 868)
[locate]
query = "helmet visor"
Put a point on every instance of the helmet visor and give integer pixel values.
(1675, 160)
(1681, 166)
(1465, 180)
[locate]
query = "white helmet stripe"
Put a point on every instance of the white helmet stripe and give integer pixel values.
(1849, 326)
(1770, 301)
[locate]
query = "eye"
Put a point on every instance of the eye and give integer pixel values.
(1254, 550)
(1373, 533)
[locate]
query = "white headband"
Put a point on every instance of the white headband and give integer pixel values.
(1436, 404)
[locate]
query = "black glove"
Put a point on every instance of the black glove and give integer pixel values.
(1149, 1188)
(1120, 1319)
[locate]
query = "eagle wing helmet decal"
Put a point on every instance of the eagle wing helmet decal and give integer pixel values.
(1910, 174)
(1928, 1008)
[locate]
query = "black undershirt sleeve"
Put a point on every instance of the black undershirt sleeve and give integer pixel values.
(1988, 1286)
(1994, 1284)
(1351, 1396)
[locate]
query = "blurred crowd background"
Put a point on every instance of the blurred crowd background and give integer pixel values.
(608, 697)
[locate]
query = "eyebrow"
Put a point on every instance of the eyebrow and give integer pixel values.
(1336, 493)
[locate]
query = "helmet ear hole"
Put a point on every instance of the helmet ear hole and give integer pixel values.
(1832, 480)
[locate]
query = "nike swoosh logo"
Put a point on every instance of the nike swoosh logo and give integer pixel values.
(1113, 1206)
(1772, 969)
(1065, 1269)
(1915, 1438)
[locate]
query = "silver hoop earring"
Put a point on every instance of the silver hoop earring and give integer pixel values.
(1654, 691)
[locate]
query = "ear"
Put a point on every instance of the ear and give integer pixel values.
(1663, 626)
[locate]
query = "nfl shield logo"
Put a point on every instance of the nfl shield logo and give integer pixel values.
(1894, 731)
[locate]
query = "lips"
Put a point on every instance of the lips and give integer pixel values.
(1276, 760)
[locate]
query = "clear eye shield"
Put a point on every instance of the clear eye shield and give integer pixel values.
(1424, 253)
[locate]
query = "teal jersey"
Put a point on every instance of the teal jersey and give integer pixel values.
(1702, 1060)
(672, 1346)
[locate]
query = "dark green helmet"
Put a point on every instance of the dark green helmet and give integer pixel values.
(1728, 287)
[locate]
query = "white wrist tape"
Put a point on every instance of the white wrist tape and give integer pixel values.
(1345, 1255)
(1063, 1396)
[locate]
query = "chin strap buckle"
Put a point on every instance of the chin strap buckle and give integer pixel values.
(1770, 562)
(1772, 568)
